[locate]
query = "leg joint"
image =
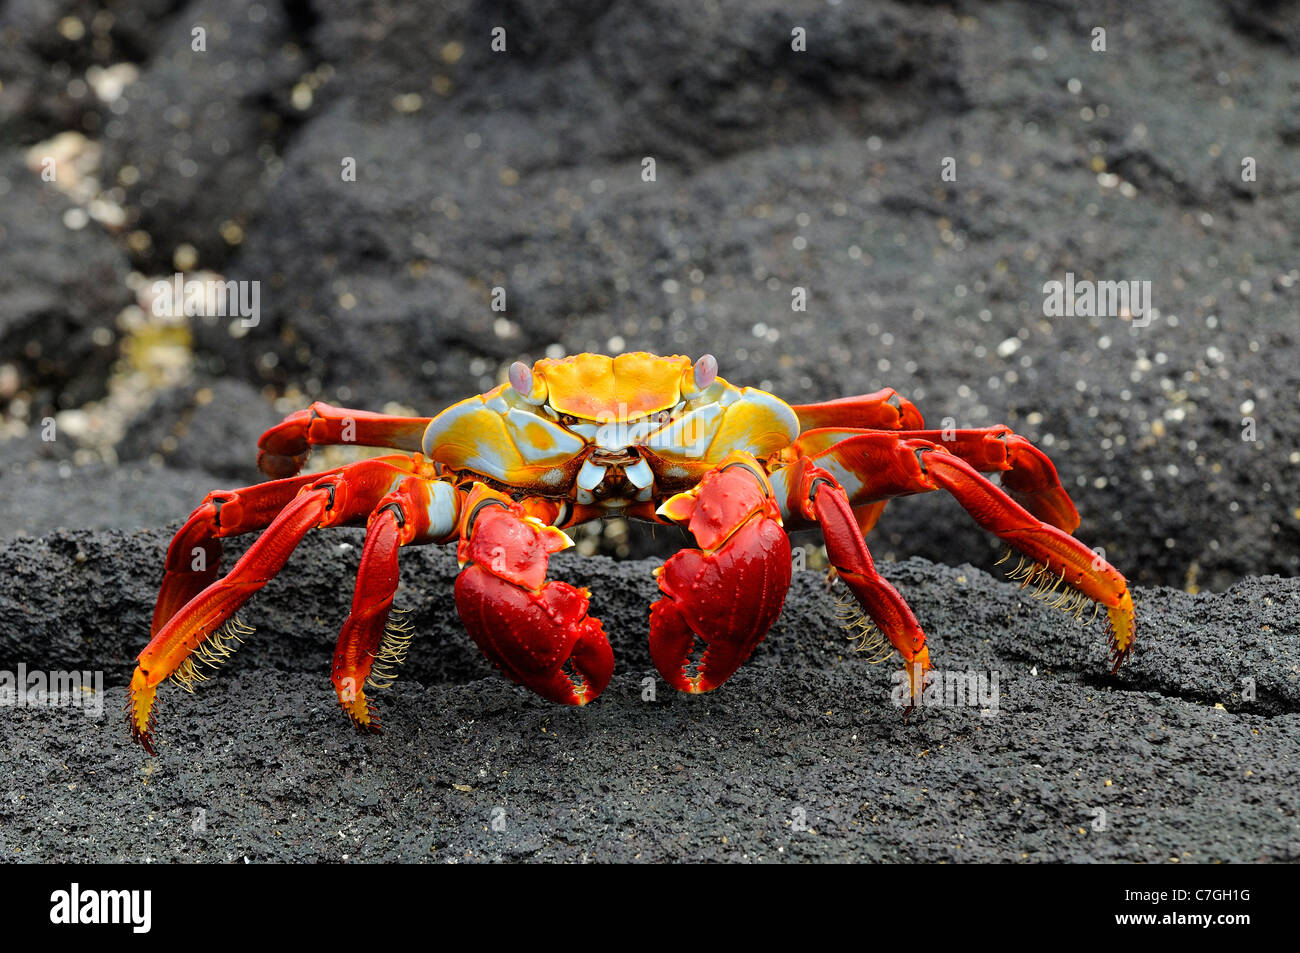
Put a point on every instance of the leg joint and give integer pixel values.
(758, 475)
(331, 487)
(817, 482)
(478, 508)
(398, 512)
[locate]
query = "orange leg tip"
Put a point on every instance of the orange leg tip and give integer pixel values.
(354, 703)
(918, 669)
(1123, 629)
(363, 717)
(140, 709)
(367, 724)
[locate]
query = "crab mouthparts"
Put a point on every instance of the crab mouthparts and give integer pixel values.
(604, 470)
(614, 458)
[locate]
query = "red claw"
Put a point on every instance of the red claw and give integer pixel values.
(537, 632)
(730, 592)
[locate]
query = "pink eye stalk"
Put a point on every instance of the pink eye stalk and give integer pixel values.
(521, 378)
(706, 371)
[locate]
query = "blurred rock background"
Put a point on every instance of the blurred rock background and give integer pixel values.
(775, 170)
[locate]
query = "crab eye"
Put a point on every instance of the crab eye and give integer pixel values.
(667, 416)
(567, 419)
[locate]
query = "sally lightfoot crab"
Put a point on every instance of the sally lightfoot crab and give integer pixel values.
(565, 441)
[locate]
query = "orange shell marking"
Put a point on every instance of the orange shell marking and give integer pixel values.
(599, 387)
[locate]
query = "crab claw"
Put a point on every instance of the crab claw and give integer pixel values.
(537, 632)
(729, 592)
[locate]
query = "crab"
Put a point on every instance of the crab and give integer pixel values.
(569, 440)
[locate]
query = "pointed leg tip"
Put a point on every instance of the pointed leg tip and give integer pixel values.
(1123, 630)
(140, 711)
(360, 713)
(367, 725)
(144, 737)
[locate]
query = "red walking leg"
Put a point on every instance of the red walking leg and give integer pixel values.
(283, 450)
(884, 410)
(335, 499)
(865, 463)
(880, 466)
(1028, 475)
(194, 556)
(818, 496)
(370, 647)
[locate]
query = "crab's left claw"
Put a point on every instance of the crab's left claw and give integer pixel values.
(537, 632)
(728, 592)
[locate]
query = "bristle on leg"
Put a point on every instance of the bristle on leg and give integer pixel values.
(862, 630)
(398, 634)
(213, 652)
(1051, 588)
(381, 672)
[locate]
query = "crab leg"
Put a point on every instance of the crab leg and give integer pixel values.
(284, 449)
(194, 556)
(818, 496)
(418, 511)
(730, 591)
(878, 466)
(1028, 476)
(338, 498)
(1060, 558)
(537, 632)
(884, 410)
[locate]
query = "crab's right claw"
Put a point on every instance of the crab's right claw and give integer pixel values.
(537, 633)
(726, 594)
